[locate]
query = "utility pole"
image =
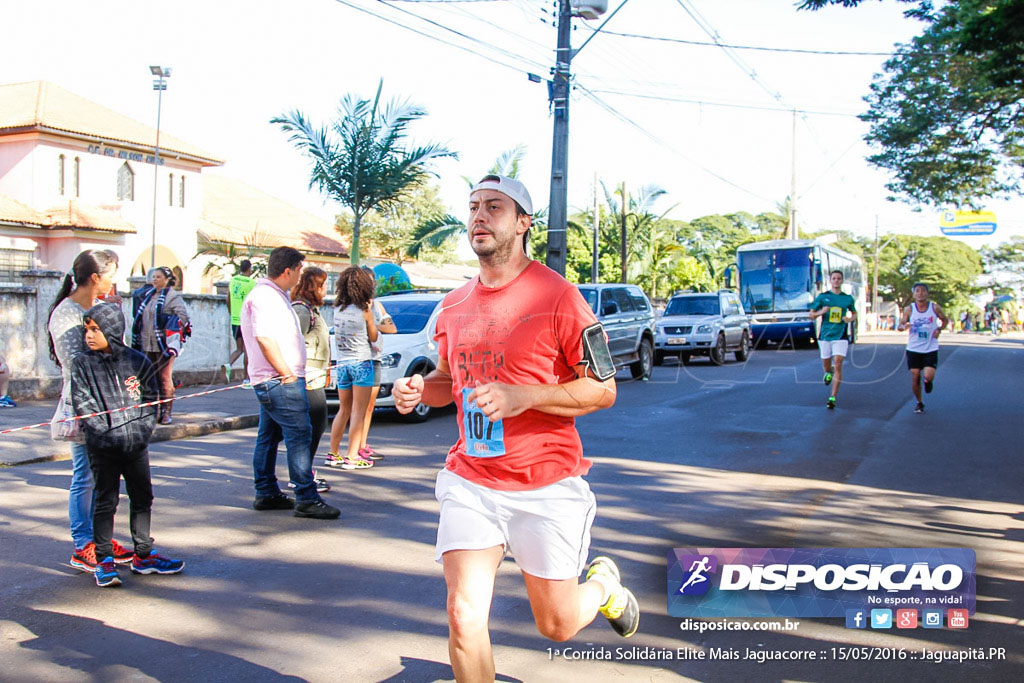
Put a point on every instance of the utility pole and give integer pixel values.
(793, 232)
(622, 233)
(160, 84)
(594, 264)
(559, 99)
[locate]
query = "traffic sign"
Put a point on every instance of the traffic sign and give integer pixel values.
(967, 222)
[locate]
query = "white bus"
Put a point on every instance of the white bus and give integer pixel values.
(779, 279)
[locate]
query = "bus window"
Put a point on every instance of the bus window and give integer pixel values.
(755, 269)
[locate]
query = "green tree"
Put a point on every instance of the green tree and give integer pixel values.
(948, 267)
(391, 229)
(360, 160)
(1007, 261)
(948, 110)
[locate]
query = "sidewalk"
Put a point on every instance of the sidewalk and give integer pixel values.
(231, 409)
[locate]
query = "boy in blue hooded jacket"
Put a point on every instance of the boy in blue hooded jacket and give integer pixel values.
(114, 377)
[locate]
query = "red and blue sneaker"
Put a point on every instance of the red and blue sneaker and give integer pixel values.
(155, 564)
(121, 554)
(106, 573)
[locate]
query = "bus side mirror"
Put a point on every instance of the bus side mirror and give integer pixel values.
(728, 278)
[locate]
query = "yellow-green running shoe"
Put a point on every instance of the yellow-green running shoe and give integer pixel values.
(620, 608)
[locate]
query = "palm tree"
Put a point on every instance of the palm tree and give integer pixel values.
(360, 159)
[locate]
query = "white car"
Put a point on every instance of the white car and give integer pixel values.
(410, 351)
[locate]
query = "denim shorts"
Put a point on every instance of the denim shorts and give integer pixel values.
(358, 374)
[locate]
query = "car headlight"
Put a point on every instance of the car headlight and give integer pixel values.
(390, 360)
(802, 319)
(704, 328)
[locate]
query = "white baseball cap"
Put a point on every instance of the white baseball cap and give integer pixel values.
(509, 187)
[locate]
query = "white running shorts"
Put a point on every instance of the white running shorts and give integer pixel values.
(838, 347)
(547, 530)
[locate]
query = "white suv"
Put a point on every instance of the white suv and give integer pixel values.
(410, 351)
(710, 324)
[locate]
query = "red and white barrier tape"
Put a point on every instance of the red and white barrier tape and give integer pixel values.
(143, 405)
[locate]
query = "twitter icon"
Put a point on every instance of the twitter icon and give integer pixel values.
(881, 618)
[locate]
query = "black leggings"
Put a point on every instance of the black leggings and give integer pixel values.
(317, 417)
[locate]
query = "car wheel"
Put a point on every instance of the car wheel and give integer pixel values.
(659, 357)
(643, 367)
(743, 353)
(717, 352)
(422, 411)
(684, 358)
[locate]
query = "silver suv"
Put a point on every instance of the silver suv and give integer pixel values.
(709, 324)
(628, 318)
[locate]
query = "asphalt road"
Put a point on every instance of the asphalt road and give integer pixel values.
(740, 455)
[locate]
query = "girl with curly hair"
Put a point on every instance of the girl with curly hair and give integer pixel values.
(354, 331)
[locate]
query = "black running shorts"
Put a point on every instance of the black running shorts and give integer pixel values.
(919, 361)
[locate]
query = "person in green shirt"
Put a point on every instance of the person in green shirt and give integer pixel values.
(238, 288)
(836, 310)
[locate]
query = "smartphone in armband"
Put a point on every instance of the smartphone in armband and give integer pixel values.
(596, 353)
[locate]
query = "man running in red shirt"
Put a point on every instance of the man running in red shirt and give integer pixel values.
(522, 355)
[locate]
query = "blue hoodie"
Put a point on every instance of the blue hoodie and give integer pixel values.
(102, 381)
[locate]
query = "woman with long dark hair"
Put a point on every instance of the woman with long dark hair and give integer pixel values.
(307, 298)
(91, 277)
(354, 329)
(149, 332)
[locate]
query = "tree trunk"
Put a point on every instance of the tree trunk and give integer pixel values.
(354, 251)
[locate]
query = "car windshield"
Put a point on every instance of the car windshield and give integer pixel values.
(410, 315)
(591, 296)
(776, 280)
(693, 305)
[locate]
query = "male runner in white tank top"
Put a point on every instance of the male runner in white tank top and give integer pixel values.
(922, 318)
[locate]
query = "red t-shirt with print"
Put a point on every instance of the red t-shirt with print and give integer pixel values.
(529, 331)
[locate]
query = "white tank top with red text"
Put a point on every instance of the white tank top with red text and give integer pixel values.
(922, 326)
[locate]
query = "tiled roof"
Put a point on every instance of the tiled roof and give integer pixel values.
(39, 105)
(236, 213)
(64, 214)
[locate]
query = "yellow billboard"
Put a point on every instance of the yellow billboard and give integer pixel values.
(967, 222)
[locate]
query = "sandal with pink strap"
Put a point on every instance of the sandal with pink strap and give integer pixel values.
(368, 452)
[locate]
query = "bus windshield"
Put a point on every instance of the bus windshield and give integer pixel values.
(777, 280)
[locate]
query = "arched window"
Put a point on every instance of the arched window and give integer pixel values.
(170, 189)
(126, 183)
(60, 175)
(75, 176)
(181, 192)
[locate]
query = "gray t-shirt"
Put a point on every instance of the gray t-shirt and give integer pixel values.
(350, 335)
(68, 332)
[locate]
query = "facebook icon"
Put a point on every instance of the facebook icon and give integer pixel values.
(856, 618)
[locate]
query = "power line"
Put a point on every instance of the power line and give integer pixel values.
(706, 26)
(792, 50)
(654, 138)
(460, 34)
(439, 39)
(710, 103)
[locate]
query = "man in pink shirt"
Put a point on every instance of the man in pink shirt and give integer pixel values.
(276, 366)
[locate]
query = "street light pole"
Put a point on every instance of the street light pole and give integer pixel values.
(159, 84)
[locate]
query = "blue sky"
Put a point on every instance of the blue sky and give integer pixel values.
(236, 64)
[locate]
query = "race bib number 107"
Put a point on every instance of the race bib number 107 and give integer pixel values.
(484, 439)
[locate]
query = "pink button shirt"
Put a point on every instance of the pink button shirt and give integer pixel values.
(267, 312)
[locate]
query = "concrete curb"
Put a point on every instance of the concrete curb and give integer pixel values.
(171, 432)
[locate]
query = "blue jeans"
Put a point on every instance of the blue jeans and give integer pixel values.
(81, 499)
(284, 416)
